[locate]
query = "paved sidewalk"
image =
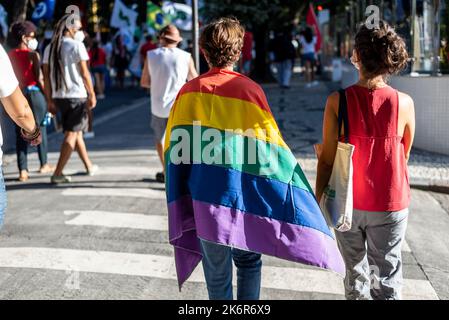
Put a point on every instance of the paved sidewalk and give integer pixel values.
(105, 237)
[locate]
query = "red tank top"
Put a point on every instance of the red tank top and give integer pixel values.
(380, 170)
(23, 67)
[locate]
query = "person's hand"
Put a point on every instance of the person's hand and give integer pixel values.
(33, 138)
(52, 107)
(91, 102)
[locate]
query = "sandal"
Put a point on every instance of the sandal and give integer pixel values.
(23, 176)
(46, 168)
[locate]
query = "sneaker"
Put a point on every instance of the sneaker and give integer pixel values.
(60, 179)
(315, 83)
(308, 85)
(92, 170)
(101, 96)
(89, 135)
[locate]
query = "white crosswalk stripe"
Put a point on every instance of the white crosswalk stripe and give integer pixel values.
(114, 192)
(117, 220)
(132, 221)
(162, 267)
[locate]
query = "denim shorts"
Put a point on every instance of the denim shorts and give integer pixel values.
(308, 57)
(158, 125)
(3, 200)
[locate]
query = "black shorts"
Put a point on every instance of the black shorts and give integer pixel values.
(74, 115)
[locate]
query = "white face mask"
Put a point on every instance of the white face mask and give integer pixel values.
(32, 44)
(79, 36)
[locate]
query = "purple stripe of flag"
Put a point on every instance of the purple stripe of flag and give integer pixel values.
(228, 226)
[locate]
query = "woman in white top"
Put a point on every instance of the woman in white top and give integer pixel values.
(308, 42)
(17, 107)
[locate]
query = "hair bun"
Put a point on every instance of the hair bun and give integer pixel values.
(381, 50)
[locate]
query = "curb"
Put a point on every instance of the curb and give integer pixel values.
(434, 185)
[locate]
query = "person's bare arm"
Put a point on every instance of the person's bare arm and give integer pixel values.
(87, 79)
(330, 142)
(145, 80)
(17, 107)
(192, 70)
(407, 112)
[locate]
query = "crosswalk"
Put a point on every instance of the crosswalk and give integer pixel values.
(288, 278)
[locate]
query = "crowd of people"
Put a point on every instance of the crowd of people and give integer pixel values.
(216, 221)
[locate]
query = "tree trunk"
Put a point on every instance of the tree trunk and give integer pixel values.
(20, 11)
(261, 71)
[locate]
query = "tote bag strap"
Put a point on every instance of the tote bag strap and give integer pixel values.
(343, 115)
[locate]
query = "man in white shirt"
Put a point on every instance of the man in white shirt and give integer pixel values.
(165, 71)
(69, 90)
(16, 105)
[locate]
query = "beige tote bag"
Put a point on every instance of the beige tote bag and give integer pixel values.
(337, 200)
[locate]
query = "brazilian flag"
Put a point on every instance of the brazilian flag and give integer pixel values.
(156, 19)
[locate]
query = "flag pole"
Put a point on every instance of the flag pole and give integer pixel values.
(195, 35)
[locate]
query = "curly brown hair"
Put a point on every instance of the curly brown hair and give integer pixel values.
(222, 42)
(381, 51)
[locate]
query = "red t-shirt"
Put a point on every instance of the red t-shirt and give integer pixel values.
(99, 59)
(147, 46)
(23, 67)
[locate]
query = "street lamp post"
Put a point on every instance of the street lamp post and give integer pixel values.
(195, 34)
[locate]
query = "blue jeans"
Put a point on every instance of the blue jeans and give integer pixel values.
(284, 72)
(217, 265)
(2, 198)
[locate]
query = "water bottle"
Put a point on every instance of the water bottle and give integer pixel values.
(47, 119)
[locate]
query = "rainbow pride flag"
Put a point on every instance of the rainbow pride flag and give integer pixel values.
(232, 180)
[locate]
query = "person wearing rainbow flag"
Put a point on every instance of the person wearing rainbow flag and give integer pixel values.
(234, 188)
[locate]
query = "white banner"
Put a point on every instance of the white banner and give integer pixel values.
(123, 17)
(180, 14)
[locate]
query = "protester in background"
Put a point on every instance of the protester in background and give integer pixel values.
(147, 46)
(284, 57)
(136, 63)
(120, 60)
(107, 46)
(97, 58)
(381, 126)
(16, 106)
(165, 71)
(247, 54)
(69, 90)
(308, 56)
(27, 67)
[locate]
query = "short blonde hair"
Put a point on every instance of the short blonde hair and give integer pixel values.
(222, 41)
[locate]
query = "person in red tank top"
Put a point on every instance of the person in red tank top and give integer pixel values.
(381, 124)
(27, 68)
